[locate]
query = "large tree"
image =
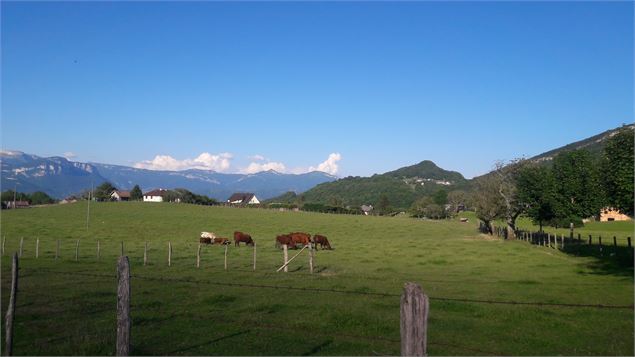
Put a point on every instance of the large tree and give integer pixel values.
(506, 177)
(536, 189)
(487, 201)
(578, 189)
(103, 191)
(617, 171)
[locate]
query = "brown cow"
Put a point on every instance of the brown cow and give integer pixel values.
(219, 240)
(283, 239)
(242, 237)
(205, 240)
(322, 241)
(300, 238)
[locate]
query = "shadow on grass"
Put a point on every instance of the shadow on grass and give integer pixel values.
(318, 348)
(184, 349)
(609, 260)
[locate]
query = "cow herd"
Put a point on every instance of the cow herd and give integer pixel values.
(292, 240)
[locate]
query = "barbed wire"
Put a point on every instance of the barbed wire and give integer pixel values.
(364, 293)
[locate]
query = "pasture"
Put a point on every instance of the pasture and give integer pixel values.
(349, 306)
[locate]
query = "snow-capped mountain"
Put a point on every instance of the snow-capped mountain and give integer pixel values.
(60, 177)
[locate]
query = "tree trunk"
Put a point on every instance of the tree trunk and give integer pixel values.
(488, 227)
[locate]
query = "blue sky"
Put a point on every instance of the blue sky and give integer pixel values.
(349, 88)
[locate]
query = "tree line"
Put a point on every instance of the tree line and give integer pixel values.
(35, 198)
(574, 186)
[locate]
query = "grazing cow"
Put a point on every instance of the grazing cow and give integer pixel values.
(205, 240)
(221, 241)
(300, 238)
(209, 235)
(283, 239)
(322, 241)
(242, 237)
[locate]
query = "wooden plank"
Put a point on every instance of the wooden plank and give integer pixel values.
(414, 321)
(169, 253)
(286, 257)
(290, 260)
(123, 307)
(8, 342)
(198, 256)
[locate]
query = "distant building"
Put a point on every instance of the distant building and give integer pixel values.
(240, 198)
(609, 214)
(367, 209)
(16, 204)
(120, 195)
(154, 195)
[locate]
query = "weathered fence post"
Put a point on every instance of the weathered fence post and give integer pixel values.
(57, 249)
(198, 256)
(254, 256)
(37, 248)
(571, 230)
(226, 256)
(311, 258)
(21, 245)
(4, 239)
(414, 321)
(590, 239)
(600, 243)
(628, 239)
(286, 257)
(562, 241)
(579, 238)
(8, 327)
(145, 253)
(77, 250)
(123, 307)
(169, 253)
(615, 242)
(122, 248)
(98, 250)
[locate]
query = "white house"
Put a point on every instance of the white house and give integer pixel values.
(154, 195)
(120, 195)
(243, 199)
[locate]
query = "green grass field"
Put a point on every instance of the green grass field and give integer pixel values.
(68, 308)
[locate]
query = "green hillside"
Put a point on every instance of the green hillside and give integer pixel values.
(402, 187)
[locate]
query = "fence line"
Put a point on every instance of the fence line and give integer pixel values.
(361, 293)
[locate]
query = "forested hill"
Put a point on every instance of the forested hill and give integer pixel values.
(402, 187)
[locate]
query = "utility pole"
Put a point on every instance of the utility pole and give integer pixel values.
(15, 191)
(90, 194)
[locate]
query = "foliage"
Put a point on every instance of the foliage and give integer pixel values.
(457, 199)
(440, 197)
(578, 189)
(488, 203)
(103, 191)
(319, 207)
(35, 198)
(617, 171)
(427, 207)
(537, 190)
(136, 194)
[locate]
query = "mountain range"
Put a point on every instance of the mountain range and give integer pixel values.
(60, 178)
(407, 184)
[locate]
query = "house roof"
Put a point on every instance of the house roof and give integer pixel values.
(241, 196)
(157, 192)
(123, 194)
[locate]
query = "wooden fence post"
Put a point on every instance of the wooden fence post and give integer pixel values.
(37, 248)
(21, 244)
(590, 239)
(286, 257)
(198, 256)
(4, 239)
(414, 321)
(571, 230)
(169, 253)
(57, 249)
(98, 250)
(254, 256)
(311, 258)
(562, 241)
(8, 342)
(145, 253)
(615, 242)
(600, 243)
(122, 248)
(628, 239)
(579, 238)
(123, 307)
(77, 250)
(226, 256)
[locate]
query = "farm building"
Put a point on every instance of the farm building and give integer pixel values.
(243, 199)
(154, 195)
(120, 195)
(609, 214)
(16, 204)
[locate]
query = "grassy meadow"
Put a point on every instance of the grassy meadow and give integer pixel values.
(68, 307)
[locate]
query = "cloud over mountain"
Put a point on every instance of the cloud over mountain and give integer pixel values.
(205, 161)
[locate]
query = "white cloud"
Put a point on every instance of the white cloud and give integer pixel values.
(257, 167)
(257, 158)
(205, 161)
(329, 165)
(69, 155)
